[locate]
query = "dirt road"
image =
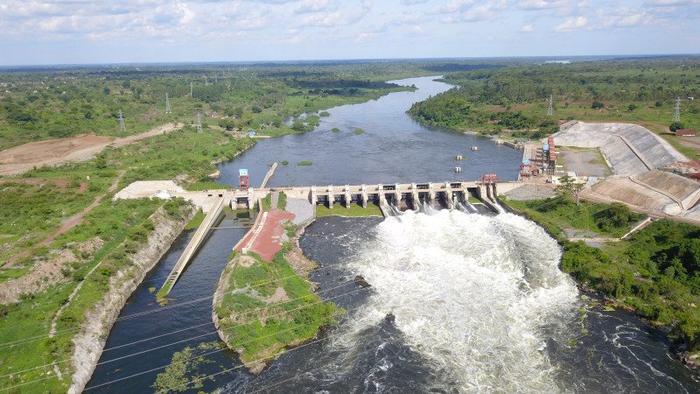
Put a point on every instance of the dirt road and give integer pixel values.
(67, 224)
(20, 159)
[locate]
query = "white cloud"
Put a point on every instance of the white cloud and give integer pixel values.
(572, 23)
(542, 4)
(527, 28)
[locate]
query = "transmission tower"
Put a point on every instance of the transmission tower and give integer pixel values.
(198, 124)
(191, 89)
(168, 110)
(677, 110)
(122, 125)
(550, 108)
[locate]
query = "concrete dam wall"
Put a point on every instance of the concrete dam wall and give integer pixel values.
(630, 149)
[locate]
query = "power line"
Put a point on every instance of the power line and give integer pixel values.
(269, 386)
(133, 315)
(344, 283)
(219, 350)
(185, 340)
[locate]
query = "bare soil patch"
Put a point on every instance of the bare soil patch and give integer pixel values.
(23, 158)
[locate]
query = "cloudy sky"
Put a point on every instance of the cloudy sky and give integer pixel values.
(81, 31)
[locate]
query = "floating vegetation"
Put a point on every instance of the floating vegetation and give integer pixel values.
(358, 131)
(305, 163)
(181, 374)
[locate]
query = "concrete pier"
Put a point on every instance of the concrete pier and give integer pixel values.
(212, 217)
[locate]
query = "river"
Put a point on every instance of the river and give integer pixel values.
(458, 302)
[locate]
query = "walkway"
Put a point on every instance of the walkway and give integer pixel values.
(266, 238)
(191, 249)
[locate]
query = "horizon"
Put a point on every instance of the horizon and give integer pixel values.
(255, 62)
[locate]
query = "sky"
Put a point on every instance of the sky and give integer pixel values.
(128, 31)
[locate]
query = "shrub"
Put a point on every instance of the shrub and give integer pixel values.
(675, 126)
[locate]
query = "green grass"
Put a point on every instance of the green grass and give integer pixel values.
(267, 202)
(282, 201)
(355, 210)
(262, 334)
(196, 221)
(556, 214)
(208, 185)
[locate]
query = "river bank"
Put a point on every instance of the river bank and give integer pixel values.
(631, 274)
(90, 341)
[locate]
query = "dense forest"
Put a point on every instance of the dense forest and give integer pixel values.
(514, 99)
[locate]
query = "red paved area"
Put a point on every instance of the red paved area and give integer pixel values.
(267, 241)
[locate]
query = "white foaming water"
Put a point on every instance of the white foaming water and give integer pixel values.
(471, 293)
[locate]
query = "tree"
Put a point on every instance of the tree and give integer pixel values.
(569, 188)
(597, 105)
(675, 126)
(614, 217)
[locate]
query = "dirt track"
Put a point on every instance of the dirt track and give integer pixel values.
(20, 159)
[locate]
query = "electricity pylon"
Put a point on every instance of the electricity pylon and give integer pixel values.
(550, 108)
(122, 125)
(198, 124)
(168, 110)
(677, 110)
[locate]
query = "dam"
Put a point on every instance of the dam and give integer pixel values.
(389, 197)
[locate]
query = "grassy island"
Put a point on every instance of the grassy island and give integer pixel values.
(264, 307)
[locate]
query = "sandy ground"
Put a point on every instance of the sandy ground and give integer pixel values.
(23, 158)
(530, 191)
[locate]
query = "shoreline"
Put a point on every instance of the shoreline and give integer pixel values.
(679, 352)
(101, 318)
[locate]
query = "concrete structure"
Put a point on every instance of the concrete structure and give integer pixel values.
(630, 149)
(401, 195)
(192, 247)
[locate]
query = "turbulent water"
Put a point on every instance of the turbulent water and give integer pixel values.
(470, 292)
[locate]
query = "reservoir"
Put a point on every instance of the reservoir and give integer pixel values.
(458, 302)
